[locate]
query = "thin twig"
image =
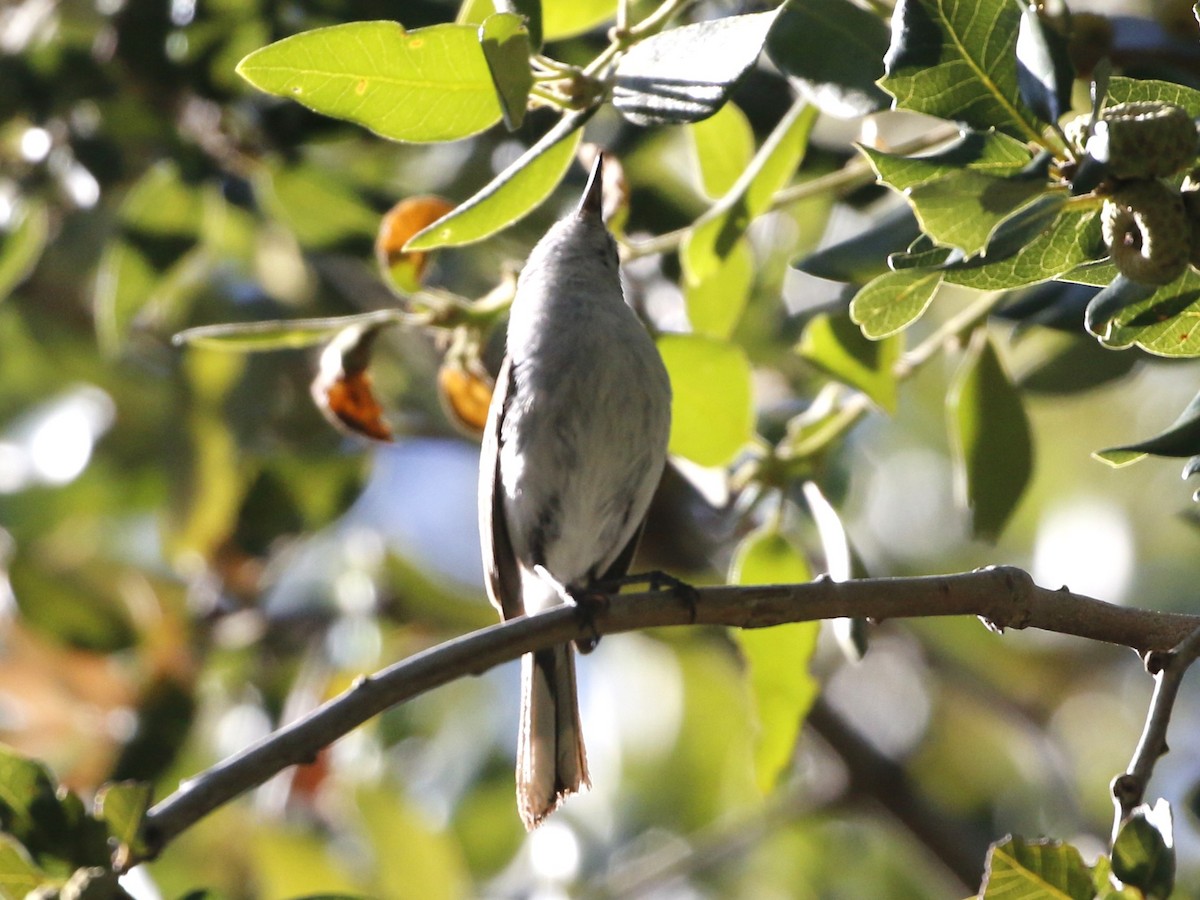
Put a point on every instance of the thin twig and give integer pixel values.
(1004, 597)
(1169, 667)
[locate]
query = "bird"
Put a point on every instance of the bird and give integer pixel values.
(574, 446)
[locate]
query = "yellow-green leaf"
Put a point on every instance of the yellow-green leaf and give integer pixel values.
(723, 145)
(715, 303)
(893, 301)
(712, 416)
(837, 347)
(430, 84)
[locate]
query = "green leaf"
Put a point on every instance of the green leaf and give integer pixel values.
(712, 416)
(964, 208)
(777, 658)
(26, 789)
(1017, 869)
(512, 194)
(1044, 71)
(280, 334)
(893, 301)
(836, 346)
(567, 18)
(1143, 854)
(833, 51)
(1181, 438)
(1072, 238)
(1130, 90)
(685, 74)
(714, 235)
(1107, 303)
(864, 256)
(724, 145)
(531, 12)
(956, 59)
(986, 152)
(18, 873)
(990, 436)
(317, 207)
(431, 84)
(122, 806)
(715, 303)
(506, 49)
(1167, 323)
(22, 241)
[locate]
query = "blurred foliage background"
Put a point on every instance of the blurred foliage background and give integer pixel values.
(190, 555)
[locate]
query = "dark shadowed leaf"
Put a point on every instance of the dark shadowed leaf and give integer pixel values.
(956, 59)
(430, 84)
(1143, 854)
(1181, 438)
(1044, 70)
(893, 301)
(686, 74)
(506, 48)
(864, 256)
(1122, 292)
(991, 438)
(833, 50)
(964, 208)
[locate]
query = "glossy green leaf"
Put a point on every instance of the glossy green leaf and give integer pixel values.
(712, 415)
(122, 806)
(317, 207)
(990, 436)
(1044, 71)
(777, 658)
(1072, 238)
(956, 59)
(1143, 854)
(1167, 323)
(511, 195)
(837, 346)
(19, 874)
(986, 152)
(833, 51)
(430, 84)
(1017, 869)
(1130, 90)
(964, 208)
(506, 49)
(715, 303)
(893, 301)
(567, 18)
(1109, 302)
(22, 242)
(281, 334)
(715, 234)
(724, 145)
(685, 74)
(1181, 438)
(864, 256)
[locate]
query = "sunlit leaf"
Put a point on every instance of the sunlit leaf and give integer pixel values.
(1035, 870)
(122, 806)
(1143, 854)
(833, 50)
(724, 145)
(893, 301)
(1166, 323)
(283, 334)
(430, 84)
(990, 436)
(836, 346)
(567, 18)
(405, 270)
(712, 416)
(715, 303)
(1130, 90)
(19, 874)
(777, 658)
(714, 235)
(956, 59)
(685, 74)
(512, 194)
(964, 208)
(506, 48)
(315, 205)
(986, 152)
(428, 864)
(22, 243)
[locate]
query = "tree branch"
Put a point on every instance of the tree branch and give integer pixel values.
(1168, 668)
(1004, 597)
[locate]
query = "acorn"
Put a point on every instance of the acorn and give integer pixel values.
(1143, 140)
(1147, 231)
(1189, 192)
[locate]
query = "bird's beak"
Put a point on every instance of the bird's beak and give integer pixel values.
(593, 195)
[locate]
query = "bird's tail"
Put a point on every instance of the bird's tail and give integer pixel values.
(551, 763)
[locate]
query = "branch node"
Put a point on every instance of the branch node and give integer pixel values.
(1128, 790)
(1156, 661)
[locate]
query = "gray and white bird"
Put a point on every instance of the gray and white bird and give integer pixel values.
(575, 444)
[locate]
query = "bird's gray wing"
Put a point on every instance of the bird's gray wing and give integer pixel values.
(501, 575)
